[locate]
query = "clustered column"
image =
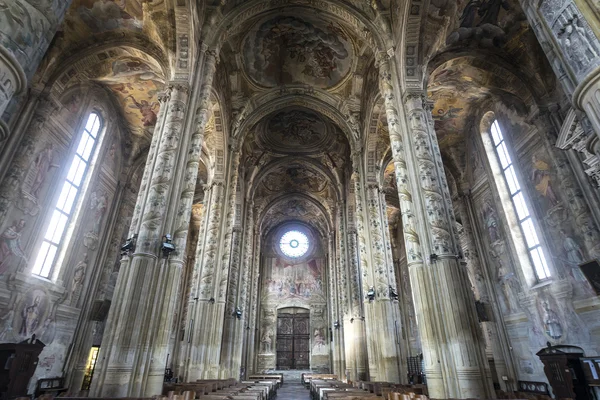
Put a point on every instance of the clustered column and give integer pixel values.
(452, 345)
(376, 260)
(134, 355)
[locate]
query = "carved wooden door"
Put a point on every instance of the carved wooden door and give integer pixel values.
(293, 340)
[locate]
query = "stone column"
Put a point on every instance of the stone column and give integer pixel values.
(202, 291)
(573, 50)
(483, 287)
(453, 348)
(137, 332)
(232, 324)
(26, 30)
(335, 307)
(253, 301)
(355, 338)
(242, 330)
(376, 264)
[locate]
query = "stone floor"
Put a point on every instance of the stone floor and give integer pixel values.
(292, 391)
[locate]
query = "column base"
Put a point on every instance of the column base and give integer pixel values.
(12, 83)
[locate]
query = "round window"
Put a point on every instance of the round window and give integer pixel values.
(294, 244)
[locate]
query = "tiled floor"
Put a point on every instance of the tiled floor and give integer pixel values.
(293, 391)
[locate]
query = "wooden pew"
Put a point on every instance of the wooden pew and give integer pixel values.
(266, 377)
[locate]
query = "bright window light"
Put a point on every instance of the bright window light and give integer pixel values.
(294, 244)
(44, 262)
(536, 253)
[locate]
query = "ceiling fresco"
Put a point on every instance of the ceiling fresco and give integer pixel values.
(457, 87)
(295, 131)
(296, 208)
(297, 50)
(295, 177)
(136, 86)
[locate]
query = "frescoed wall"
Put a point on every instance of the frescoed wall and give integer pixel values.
(294, 283)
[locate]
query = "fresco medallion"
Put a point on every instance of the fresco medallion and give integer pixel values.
(293, 50)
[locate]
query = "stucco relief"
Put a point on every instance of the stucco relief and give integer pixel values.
(573, 34)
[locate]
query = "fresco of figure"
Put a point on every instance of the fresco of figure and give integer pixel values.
(552, 325)
(542, 180)
(10, 245)
(43, 164)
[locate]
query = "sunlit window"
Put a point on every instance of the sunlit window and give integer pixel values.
(71, 186)
(536, 252)
(294, 244)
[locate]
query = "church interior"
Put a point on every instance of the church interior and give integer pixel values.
(399, 191)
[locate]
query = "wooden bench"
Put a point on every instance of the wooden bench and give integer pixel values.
(262, 377)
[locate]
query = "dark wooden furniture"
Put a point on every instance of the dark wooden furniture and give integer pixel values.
(17, 365)
(533, 387)
(564, 372)
(51, 386)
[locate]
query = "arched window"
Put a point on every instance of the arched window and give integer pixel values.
(511, 186)
(67, 200)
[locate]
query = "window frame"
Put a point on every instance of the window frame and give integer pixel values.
(65, 204)
(520, 209)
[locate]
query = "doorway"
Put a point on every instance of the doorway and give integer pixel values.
(293, 338)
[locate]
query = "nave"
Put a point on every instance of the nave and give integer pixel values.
(393, 191)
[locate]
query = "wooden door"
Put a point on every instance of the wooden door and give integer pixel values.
(293, 341)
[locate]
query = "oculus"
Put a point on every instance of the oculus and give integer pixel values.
(294, 244)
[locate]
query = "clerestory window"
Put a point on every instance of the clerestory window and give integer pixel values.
(519, 205)
(67, 200)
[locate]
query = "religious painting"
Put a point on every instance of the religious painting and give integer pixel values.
(295, 177)
(552, 325)
(591, 270)
(11, 251)
(319, 342)
(296, 128)
(107, 15)
(293, 50)
(32, 314)
(72, 101)
(136, 85)
(295, 281)
(542, 177)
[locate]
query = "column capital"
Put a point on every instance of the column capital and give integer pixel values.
(179, 86)
(418, 96)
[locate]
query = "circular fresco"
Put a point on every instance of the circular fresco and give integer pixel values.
(293, 50)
